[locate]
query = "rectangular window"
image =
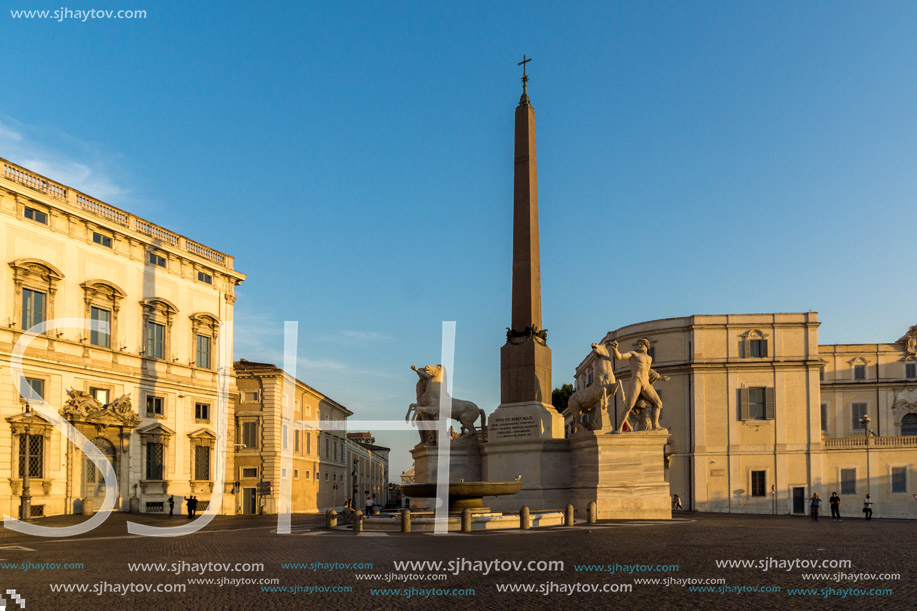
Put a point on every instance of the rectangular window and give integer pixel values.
(154, 406)
(821, 374)
(899, 479)
(33, 308)
(824, 416)
(102, 239)
(154, 455)
(285, 433)
(249, 472)
(202, 411)
(295, 473)
(756, 404)
(296, 440)
(326, 476)
(205, 278)
(36, 215)
(758, 483)
(156, 259)
(859, 372)
(335, 449)
(201, 463)
(35, 384)
(155, 340)
(102, 395)
(756, 348)
(327, 448)
(203, 351)
(36, 446)
(307, 474)
(100, 336)
(910, 370)
(858, 410)
(308, 443)
(848, 481)
(250, 396)
(250, 435)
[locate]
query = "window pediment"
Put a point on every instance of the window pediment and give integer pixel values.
(204, 322)
(160, 306)
(37, 269)
(103, 289)
(156, 433)
(203, 437)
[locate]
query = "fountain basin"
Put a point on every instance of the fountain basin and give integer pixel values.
(464, 495)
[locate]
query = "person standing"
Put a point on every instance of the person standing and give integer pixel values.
(813, 506)
(188, 502)
(835, 502)
(369, 504)
(171, 505)
(193, 506)
(867, 507)
(676, 504)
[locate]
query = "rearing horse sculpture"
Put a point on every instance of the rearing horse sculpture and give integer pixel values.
(603, 387)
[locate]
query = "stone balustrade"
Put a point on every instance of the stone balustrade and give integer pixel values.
(55, 190)
(852, 443)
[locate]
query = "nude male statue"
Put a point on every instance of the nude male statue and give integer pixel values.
(641, 381)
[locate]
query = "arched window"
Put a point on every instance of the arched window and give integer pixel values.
(909, 425)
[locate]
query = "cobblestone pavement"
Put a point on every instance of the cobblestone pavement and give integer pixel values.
(694, 543)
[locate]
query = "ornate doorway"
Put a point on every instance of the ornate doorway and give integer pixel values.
(93, 482)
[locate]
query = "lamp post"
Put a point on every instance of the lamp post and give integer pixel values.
(865, 420)
(353, 478)
(25, 500)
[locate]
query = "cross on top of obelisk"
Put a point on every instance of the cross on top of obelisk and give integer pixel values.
(525, 79)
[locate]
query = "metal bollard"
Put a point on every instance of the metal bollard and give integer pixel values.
(357, 522)
(331, 518)
(525, 519)
(466, 520)
(591, 511)
(568, 516)
(405, 520)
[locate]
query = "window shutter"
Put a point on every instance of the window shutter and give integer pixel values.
(764, 351)
(768, 403)
(743, 403)
(742, 348)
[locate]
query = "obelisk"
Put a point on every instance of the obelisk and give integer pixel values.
(525, 359)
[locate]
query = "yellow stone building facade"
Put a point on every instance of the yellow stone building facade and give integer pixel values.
(761, 416)
(145, 392)
(327, 463)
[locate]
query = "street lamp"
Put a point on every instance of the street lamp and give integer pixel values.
(353, 481)
(25, 500)
(865, 420)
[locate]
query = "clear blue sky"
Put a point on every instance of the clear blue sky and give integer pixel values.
(356, 159)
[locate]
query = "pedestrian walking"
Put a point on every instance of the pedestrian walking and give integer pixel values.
(676, 504)
(171, 505)
(835, 502)
(369, 503)
(867, 507)
(813, 506)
